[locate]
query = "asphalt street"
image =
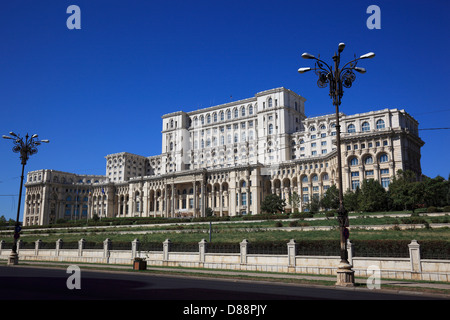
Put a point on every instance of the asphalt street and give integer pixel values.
(31, 283)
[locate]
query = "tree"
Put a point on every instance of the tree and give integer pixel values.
(351, 200)
(330, 199)
(372, 197)
(313, 206)
(405, 192)
(435, 191)
(294, 201)
(209, 212)
(273, 204)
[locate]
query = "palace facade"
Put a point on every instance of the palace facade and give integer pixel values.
(228, 158)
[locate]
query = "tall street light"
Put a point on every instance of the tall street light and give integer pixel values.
(25, 149)
(337, 78)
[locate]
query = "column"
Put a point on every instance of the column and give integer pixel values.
(292, 249)
(244, 251)
(414, 256)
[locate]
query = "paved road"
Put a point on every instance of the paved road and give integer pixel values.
(31, 283)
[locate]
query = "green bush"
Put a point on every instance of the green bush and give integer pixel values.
(293, 223)
(431, 209)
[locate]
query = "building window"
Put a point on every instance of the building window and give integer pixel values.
(236, 113)
(383, 158)
(351, 128)
(270, 128)
(369, 173)
(243, 112)
(244, 199)
(228, 114)
(384, 171)
(354, 161)
(365, 127)
(385, 182)
(380, 124)
(355, 184)
(270, 102)
(368, 160)
(250, 110)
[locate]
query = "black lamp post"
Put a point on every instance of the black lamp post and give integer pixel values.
(337, 78)
(26, 149)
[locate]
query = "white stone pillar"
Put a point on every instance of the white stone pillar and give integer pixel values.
(414, 256)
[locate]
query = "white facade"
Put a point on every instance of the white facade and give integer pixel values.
(229, 157)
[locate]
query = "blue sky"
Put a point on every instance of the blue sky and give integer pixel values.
(104, 88)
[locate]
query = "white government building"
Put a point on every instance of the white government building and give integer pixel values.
(228, 158)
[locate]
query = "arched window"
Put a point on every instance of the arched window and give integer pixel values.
(305, 179)
(202, 120)
(208, 118)
(312, 128)
(270, 128)
(243, 112)
(236, 113)
(325, 177)
(215, 117)
(365, 127)
(221, 116)
(354, 161)
(322, 127)
(195, 121)
(351, 128)
(383, 158)
(368, 160)
(250, 110)
(270, 102)
(228, 114)
(380, 124)
(315, 178)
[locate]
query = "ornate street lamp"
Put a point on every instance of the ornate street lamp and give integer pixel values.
(338, 78)
(25, 149)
